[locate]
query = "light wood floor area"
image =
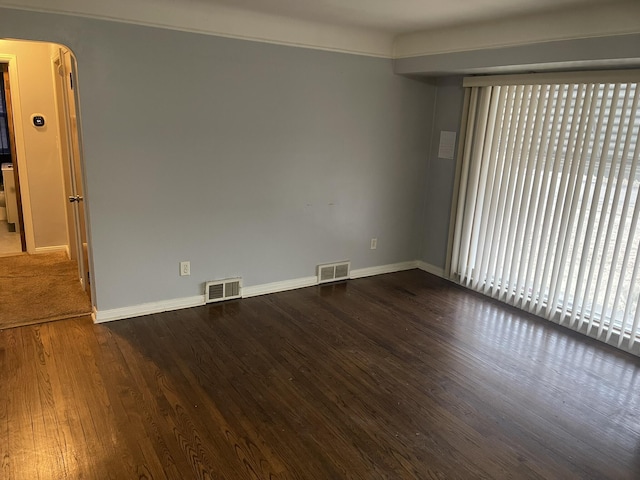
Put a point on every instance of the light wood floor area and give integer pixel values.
(400, 376)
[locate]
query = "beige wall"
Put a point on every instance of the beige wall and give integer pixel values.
(41, 150)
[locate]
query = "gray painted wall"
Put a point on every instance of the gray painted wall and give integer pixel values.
(441, 174)
(245, 158)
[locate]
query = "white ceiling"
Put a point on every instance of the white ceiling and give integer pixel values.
(397, 16)
(370, 27)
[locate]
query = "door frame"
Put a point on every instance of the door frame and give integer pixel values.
(25, 199)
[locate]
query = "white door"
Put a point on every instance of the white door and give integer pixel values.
(66, 93)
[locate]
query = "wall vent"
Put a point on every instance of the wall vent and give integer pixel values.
(220, 290)
(331, 272)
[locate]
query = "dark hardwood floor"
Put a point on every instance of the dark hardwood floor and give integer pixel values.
(401, 376)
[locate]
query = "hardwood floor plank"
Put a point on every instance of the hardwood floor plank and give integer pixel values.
(360, 389)
(425, 414)
(24, 435)
(187, 414)
(131, 406)
(248, 445)
(83, 403)
(8, 352)
(400, 376)
(246, 442)
(59, 459)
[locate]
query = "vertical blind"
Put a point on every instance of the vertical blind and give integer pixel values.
(548, 208)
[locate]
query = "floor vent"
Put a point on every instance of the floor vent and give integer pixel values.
(330, 272)
(220, 290)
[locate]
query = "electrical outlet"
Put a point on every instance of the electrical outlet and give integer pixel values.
(185, 269)
(374, 243)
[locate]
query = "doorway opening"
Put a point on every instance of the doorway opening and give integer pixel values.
(40, 140)
(12, 238)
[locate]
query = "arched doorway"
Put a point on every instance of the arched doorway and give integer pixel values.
(47, 163)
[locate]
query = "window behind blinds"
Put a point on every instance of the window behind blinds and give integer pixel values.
(548, 206)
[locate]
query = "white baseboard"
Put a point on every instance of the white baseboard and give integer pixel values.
(275, 287)
(101, 316)
(427, 267)
(53, 248)
(382, 269)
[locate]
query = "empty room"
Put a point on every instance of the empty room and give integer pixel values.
(246, 239)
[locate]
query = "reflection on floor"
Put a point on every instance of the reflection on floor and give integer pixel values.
(9, 241)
